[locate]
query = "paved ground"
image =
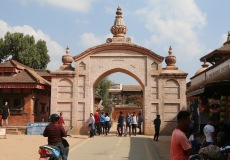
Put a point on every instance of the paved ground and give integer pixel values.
(25, 147)
(112, 147)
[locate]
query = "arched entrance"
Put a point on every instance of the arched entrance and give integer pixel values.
(163, 88)
(121, 98)
(114, 70)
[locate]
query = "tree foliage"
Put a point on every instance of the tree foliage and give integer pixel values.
(135, 99)
(103, 89)
(24, 49)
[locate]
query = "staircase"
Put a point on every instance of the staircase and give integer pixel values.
(15, 130)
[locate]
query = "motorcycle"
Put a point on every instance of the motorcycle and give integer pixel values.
(49, 152)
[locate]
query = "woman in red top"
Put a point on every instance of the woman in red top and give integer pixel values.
(61, 120)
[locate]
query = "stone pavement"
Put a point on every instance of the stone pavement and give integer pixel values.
(25, 147)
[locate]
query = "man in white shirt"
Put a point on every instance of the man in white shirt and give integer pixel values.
(91, 125)
(209, 132)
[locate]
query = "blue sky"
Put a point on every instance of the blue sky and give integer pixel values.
(192, 27)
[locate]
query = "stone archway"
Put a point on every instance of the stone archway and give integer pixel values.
(115, 112)
(118, 54)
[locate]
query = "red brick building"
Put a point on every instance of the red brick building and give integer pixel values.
(27, 92)
(120, 95)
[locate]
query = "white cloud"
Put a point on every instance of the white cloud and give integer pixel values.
(74, 5)
(174, 22)
(55, 50)
(89, 40)
(80, 21)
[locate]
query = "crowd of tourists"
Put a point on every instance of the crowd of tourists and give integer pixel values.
(100, 123)
(129, 124)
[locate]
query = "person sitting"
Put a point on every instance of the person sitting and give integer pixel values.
(54, 131)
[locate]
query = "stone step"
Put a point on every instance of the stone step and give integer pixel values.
(16, 129)
(13, 131)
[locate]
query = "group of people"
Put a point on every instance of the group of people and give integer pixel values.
(182, 146)
(129, 124)
(99, 124)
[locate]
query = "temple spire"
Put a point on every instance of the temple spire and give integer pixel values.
(228, 38)
(118, 29)
(170, 60)
(67, 59)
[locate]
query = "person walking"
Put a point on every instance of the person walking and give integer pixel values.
(157, 123)
(134, 124)
(54, 131)
(102, 124)
(61, 119)
(128, 124)
(120, 124)
(180, 147)
(91, 125)
(5, 113)
(107, 124)
(97, 122)
(139, 122)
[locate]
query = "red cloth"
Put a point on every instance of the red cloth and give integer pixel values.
(96, 117)
(61, 120)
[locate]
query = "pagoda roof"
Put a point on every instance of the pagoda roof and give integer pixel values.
(217, 54)
(43, 73)
(21, 75)
(14, 64)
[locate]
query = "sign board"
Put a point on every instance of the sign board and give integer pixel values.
(36, 128)
(222, 68)
(212, 73)
(2, 131)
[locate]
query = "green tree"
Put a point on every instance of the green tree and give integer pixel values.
(25, 50)
(3, 55)
(102, 89)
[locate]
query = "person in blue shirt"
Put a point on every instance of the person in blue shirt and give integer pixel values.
(107, 123)
(102, 124)
(128, 119)
(120, 124)
(139, 122)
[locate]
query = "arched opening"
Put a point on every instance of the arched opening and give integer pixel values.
(122, 97)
